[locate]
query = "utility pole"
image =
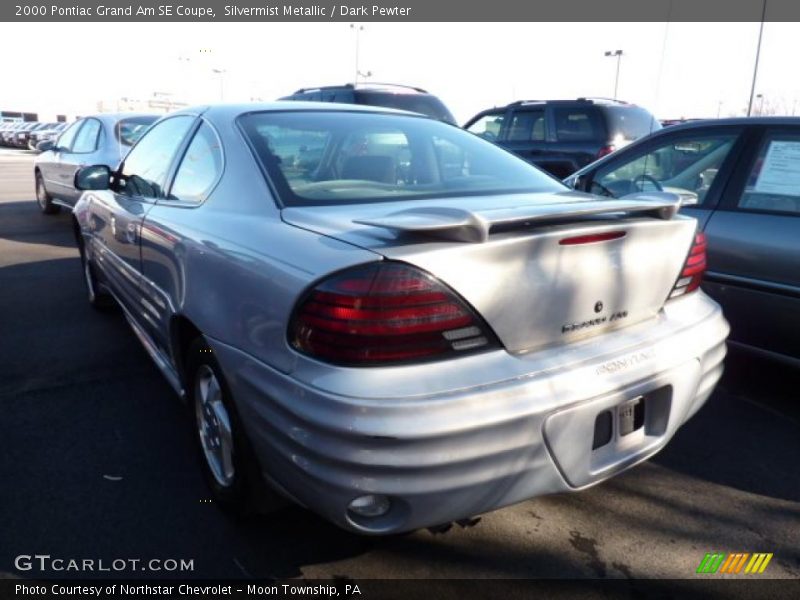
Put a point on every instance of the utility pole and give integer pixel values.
(618, 55)
(758, 57)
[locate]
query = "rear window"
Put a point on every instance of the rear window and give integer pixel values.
(335, 157)
(423, 104)
(129, 130)
(578, 124)
(630, 122)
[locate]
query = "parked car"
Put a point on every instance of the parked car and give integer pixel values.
(8, 134)
(46, 133)
(23, 137)
(98, 139)
(391, 341)
(385, 95)
(740, 178)
(4, 127)
(561, 136)
(19, 138)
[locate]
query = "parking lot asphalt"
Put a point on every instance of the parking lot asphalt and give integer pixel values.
(97, 461)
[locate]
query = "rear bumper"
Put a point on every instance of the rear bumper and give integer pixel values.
(453, 454)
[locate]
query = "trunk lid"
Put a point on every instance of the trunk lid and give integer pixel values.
(540, 269)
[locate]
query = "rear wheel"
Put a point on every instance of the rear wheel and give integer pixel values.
(227, 459)
(44, 199)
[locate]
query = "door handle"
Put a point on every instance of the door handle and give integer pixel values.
(130, 233)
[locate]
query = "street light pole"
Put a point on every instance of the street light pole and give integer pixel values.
(221, 73)
(758, 57)
(618, 55)
(184, 60)
(358, 29)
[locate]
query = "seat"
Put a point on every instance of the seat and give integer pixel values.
(371, 168)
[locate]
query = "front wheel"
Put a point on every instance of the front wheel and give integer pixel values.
(44, 199)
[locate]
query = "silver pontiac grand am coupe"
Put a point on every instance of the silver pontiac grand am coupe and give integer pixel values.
(392, 321)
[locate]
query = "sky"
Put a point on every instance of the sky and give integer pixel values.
(673, 69)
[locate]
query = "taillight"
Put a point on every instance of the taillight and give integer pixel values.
(385, 313)
(606, 150)
(693, 269)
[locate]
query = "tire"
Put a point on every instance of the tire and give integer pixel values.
(226, 456)
(99, 298)
(44, 199)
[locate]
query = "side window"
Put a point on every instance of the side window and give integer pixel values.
(200, 167)
(145, 170)
(344, 96)
(686, 167)
(86, 140)
(65, 139)
(774, 180)
(526, 126)
(488, 126)
(577, 124)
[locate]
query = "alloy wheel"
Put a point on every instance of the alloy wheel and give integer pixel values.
(214, 426)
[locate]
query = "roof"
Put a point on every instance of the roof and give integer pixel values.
(231, 111)
(582, 100)
(368, 85)
(733, 121)
(121, 115)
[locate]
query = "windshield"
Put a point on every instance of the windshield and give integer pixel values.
(131, 129)
(334, 157)
(423, 104)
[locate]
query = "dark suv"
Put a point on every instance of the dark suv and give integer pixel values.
(562, 136)
(387, 95)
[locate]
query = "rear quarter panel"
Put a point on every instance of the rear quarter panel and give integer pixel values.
(231, 265)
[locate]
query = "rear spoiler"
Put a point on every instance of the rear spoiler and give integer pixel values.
(475, 225)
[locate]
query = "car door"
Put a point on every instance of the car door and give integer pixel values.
(754, 244)
(137, 185)
(82, 152)
(526, 134)
(198, 172)
(694, 164)
(57, 182)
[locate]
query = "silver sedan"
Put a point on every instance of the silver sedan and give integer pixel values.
(391, 321)
(96, 139)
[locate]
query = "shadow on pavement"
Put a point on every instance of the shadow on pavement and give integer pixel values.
(734, 442)
(22, 221)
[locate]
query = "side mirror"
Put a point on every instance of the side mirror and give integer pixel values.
(577, 182)
(45, 145)
(96, 177)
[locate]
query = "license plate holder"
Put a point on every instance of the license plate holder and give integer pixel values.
(631, 416)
